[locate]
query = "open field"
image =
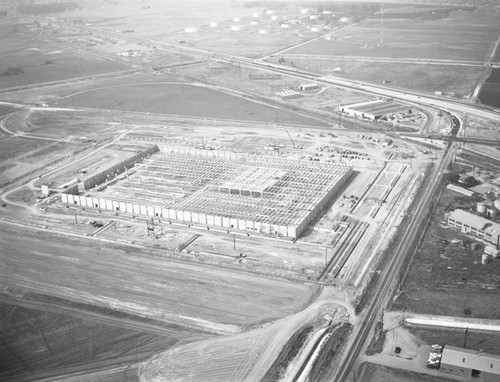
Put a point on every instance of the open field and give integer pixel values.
(19, 154)
(245, 356)
(460, 80)
(467, 34)
(94, 273)
(39, 337)
(182, 99)
(490, 91)
(447, 278)
(42, 60)
(214, 26)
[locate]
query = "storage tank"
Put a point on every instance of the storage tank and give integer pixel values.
(190, 29)
(255, 15)
(314, 29)
(481, 208)
(496, 204)
(270, 12)
(285, 26)
(491, 212)
(236, 27)
(274, 18)
(263, 31)
(254, 23)
(214, 25)
(236, 19)
(485, 259)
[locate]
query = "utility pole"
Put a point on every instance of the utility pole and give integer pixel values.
(76, 220)
(465, 339)
(234, 241)
(326, 256)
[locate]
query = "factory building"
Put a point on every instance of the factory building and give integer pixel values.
(256, 194)
(475, 225)
(375, 109)
(468, 363)
(309, 86)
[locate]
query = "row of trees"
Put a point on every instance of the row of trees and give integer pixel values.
(55, 7)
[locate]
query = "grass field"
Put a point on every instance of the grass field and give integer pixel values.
(183, 99)
(42, 60)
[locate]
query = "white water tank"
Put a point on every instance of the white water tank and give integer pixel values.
(263, 31)
(315, 29)
(485, 259)
(190, 29)
(497, 204)
(481, 208)
(214, 25)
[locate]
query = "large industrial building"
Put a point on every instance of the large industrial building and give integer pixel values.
(472, 364)
(262, 194)
(475, 225)
(375, 109)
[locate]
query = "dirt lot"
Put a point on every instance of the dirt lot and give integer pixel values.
(178, 293)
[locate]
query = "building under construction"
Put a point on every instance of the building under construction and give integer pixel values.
(261, 194)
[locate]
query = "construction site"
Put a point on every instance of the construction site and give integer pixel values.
(263, 194)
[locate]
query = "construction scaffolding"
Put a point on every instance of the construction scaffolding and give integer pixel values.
(254, 193)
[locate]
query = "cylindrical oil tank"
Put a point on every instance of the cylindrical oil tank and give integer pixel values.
(485, 259)
(481, 208)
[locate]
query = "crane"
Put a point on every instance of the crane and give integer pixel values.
(295, 146)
